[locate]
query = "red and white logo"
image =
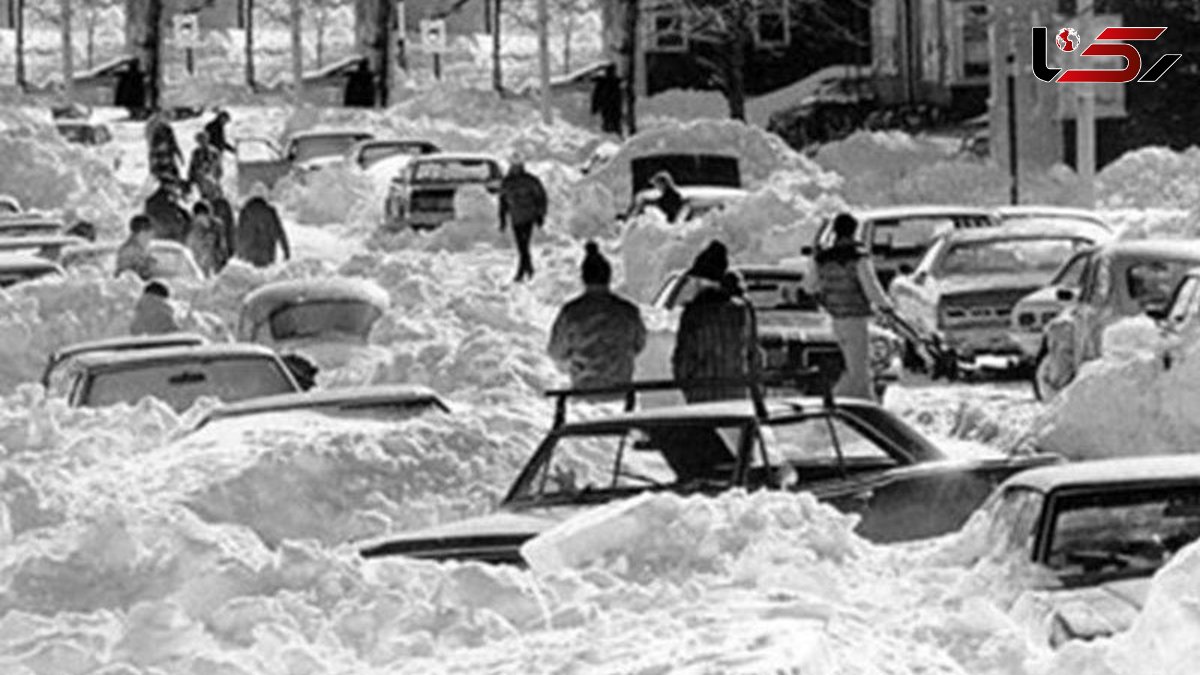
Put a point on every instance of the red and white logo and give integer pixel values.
(1067, 39)
(1112, 41)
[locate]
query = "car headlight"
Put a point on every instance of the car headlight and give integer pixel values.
(1027, 320)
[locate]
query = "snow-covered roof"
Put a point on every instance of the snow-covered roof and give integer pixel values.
(1034, 211)
(261, 302)
(393, 394)
(1159, 249)
(14, 262)
(1033, 229)
(1110, 472)
(183, 354)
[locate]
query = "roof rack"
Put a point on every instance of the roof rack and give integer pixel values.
(753, 385)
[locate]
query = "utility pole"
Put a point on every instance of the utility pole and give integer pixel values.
(1085, 118)
(386, 37)
(19, 25)
(1014, 173)
(497, 72)
(297, 53)
(68, 54)
(153, 46)
(248, 22)
(632, 52)
(543, 19)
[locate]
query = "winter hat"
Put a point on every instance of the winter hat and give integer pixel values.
(596, 269)
(712, 263)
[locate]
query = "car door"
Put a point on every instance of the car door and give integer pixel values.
(259, 161)
(916, 295)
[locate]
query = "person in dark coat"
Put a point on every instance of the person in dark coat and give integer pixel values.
(226, 223)
(523, 204)
(849, 290)
(165, 154)
(204, 237)
(131, 90)
(216, 133)
(260, 231)
(598, 335)
(134, 253)
(204, 169)
(607, 99)
(171, 221)
(360, 87)
(717, 335)
(669, 199)
(153, 314)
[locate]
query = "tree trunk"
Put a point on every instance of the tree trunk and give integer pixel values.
(497, 72)
(629, 53)
(152, 46)
(735, 80)
(297, 53)
(568, 33)
(322, 17)
(249, 23)
(20, 26)
(68, 53)
(91, 38)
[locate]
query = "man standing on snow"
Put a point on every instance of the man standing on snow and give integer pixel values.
(597, 335)
(134, 253)
(204, 170)
(260, 230)
(216, 133)
(523, 204)
(607, 100)
(165, 155)
(153, 314)
(204, 238)
(171, 221)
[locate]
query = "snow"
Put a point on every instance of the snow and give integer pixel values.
(133, 548)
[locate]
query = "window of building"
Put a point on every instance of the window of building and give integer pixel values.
(976, 59)
(771, 24)
(667, 27)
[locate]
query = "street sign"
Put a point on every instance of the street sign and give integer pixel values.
(187, 30)
(433, 35)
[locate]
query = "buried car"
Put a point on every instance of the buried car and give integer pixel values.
(706, 183)
(260, 160)
(794, 331)
(172, 260)
(1120, 280)
(963, 292)
(422, 195)
(28, 225)
(56, 365)
(1091, 535)
(16, 268)
(853, 454)
(178, 376)
(392, 403)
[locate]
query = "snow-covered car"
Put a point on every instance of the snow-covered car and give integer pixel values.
(1034, 212)
(84, 132)
(1087, 537)
(53, 376)
(795, 332)
(172, 259)
(963, 291)
(899, 236)
(1033, 312)
(324, 318)
(260, 160)
(48, 246)
(9, 205)
(18, 267)
(855, 455)
(706, 182)
(28, 225)
(1121, 279)
(422, 195)
(393, 402)
(367, 154)
(178, 376)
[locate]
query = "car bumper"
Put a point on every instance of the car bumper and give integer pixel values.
(971, 344)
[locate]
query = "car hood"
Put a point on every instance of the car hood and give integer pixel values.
(494, 538)
(1098, 611)
(992, 282)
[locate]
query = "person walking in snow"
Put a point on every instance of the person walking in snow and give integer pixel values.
(849, 290)
(134, 253)
(216, 133)
(523, 205)
(717, 336)
(171, 221)
(153, 314)
(598, 335)
(226, 222)
(607, 100)
(165, 154)
(204, 238)
(204, 170)
(260, 231)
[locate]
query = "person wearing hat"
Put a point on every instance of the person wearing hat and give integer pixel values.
(153, 314)
(523, 203)
(717, 336)
(849, 290)
(597, 335)
(260, 232)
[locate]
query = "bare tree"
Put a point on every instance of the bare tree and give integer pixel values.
(93, 12)
(566, 20)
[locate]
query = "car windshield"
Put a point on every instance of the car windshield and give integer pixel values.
(314, 147)
(179, 385)
(375, 153)
(1009, 256)
(609, 464)
(1126, 532)
(325, 318)
(784, 292)
(465, 171)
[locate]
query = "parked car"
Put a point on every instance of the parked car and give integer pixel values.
(9, 205)
(422, 195)
(178, 376)
(795, 332)
(1091, 535)
(391, 402)
(172, 259)
(706, 182)
(84, 132)
(45, 246)
(1032, 312)
(899, 236)
(28, 225)
(1034, 212)
(260, 160)
(323, 317)
(16, 268)
(963, 291)
(1121, 279)
(855, 455)
(53, 376)
(367, 154)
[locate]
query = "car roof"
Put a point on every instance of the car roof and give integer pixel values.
(182, 354)
(1170, 249)
(318, 133)
(1035, 210)
(126, 342)
(366, 395)
(711, 191)
(265, 299)
(25, 261)
(112, 246)
(736, 411)
(1041, 229)
(393, 141)
(921, 211)
(7, 244)
(26, 219)
(456, 157)
(1109, 472)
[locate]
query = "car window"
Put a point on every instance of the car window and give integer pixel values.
(1132, 530)
(180, 384)
(1152, 281)
(1013, 526)
(1186, 302)
(634, 459)
(1099, 281)
(669, 292)
(1008, 256)
(1071, 274)
(467, 171)
(779, 293)
(321, 319)
(909, 233)
(313, 147)
(810, 440)
(170, 262)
